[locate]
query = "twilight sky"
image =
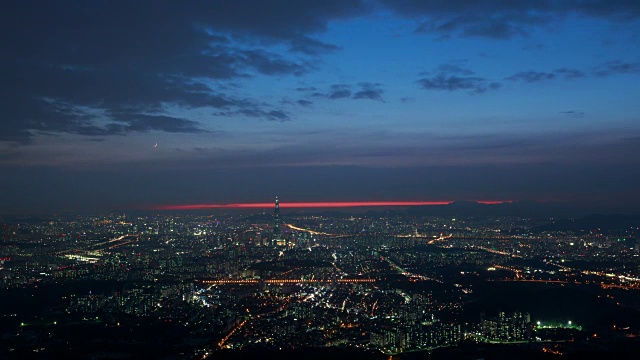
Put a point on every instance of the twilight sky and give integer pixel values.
(331, 100)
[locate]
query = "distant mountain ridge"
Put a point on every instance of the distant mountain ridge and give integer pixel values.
(521, 208)
(524, 208)
(599, 222)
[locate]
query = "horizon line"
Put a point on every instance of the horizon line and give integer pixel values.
(314, 204)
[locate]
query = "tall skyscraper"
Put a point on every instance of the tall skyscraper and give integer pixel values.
(277, 233)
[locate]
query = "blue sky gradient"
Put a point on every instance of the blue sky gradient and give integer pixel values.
(353, 100)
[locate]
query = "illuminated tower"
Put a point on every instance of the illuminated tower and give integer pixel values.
(277, 234)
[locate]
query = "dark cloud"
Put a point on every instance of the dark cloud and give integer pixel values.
(372, 94)
(312, 47)
(145, 122)
(256, 112)
(306, 88)
(270, 64)
(476, 85)
(371, 91)
(605, 69)
(537, 76)
(569, 73)
(88, 121)
(449, 77)
(277, 115)
(622, 10)
(218, 39)
(496, 27)
(304, 102)
(504, 19)
(339, 91)
(137, 55)
(367, 90)
(31, 107)
(617, 67)
(573, 113)
(531, 76)
(283, 20)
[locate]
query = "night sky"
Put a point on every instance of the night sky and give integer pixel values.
(110, 105)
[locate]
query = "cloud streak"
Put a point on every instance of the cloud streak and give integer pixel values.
(617, 67)
(371, 91)
(504, 19)
(449, 77)
(610, 68)
(363, 91)
(531, 76)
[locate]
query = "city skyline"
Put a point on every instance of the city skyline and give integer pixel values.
(199, 285)
(117, 105)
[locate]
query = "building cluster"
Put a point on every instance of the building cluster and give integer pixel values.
(514, 326)
(393, 283)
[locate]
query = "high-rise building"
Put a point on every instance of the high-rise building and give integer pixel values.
(277, 233)
(507, 327)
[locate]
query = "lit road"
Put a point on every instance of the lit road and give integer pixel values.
(285, 281)
(92, 246)
(406, 273)
(291, 226)
(235, 328)
(441, 238)
(534, 281)
(497, 252)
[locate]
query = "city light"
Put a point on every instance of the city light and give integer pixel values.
(377, 281)
(362, 179)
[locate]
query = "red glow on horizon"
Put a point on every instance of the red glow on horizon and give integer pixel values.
(317, 204)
